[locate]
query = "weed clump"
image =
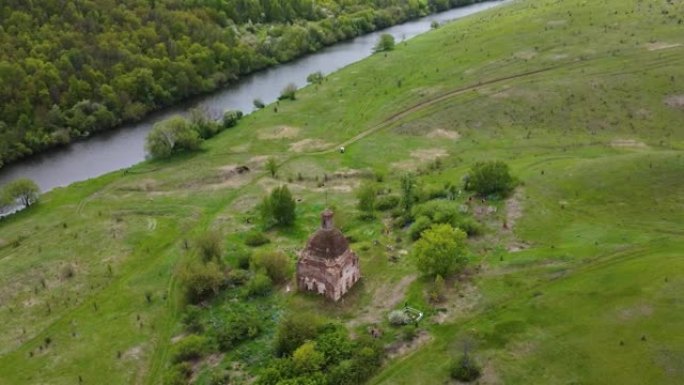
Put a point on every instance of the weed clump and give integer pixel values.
(465, 369)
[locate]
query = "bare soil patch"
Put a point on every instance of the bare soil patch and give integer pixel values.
(514, 208)
(556, 23)
(461, 301)
(257, 161)
(658, 45)
(385, 297)
(280, 132)
(134, 353)
(634, 312)
(210, 361)
(309, 145)
(489, 375)
(525, 55)
(628, 143)
(240, 148)
(419, 157)
(441, 133)
(401, 348)
(675, 101)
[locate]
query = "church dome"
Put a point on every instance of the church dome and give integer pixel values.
(328, 241)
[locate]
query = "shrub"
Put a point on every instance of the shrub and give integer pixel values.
(293, 330)
(470, 226)
(398, 318)
(421, 224)
(366, 196)
(190, 348)
(409, 332)
(178, 374)
(171, 135)
(67, 271)
(242, 259)
(440, 250)
(278, 208)
(256, 239)
(315, 77)
(209, 246)
(241, 323)
(289, 92)
(438, 289)
(385, 43)
(23, 190)
(231, 118)
(219, 376)
(259, 285)
(258, 103)
(192, 319)
(272, 167)
(201, 280)
(408, 184)
(307, 359)
(238, 277)
(434, 24)
(465, 369)
(200, 122)
(275, 264)
(431, 192)
(387, 202)
(442, 212)
(490, 178)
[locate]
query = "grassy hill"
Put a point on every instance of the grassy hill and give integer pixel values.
(583, 99)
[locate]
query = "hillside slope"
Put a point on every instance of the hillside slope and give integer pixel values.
(582, 99)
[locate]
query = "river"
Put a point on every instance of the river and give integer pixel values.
(124, 147)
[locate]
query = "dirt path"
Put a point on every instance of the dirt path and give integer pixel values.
(385, 297)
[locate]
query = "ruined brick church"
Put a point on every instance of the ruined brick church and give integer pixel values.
(327, 265)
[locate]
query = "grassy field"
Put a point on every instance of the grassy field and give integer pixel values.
(585, 101)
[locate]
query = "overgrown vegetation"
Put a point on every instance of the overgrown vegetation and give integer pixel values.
(490, 178)
(278, 208)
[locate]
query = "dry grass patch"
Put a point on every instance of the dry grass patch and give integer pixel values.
(525, 55)
(385, 297)
(658, 45)
(627, 143)
(675, 101)
(441, 133)
(635, 312)
(420, 157)
(556, 23)
(401, 348)
(280, 132)
(309, 145)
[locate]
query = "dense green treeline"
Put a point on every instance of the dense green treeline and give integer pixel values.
(70, 68)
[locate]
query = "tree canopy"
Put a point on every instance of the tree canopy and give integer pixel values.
(441, 250)
(278, 208)
(23, 190)
(487, 178)
(385, 43)
(69, 68)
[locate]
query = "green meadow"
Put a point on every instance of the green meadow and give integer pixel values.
(583, 285)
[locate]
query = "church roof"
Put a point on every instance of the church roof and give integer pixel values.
(328, 241)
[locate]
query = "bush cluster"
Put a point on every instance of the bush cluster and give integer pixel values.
(322, 354)
(178, 134)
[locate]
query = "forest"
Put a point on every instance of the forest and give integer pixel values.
(72, 68)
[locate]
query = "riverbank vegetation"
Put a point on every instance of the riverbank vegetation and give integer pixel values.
(167, 273)
(71, 69)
